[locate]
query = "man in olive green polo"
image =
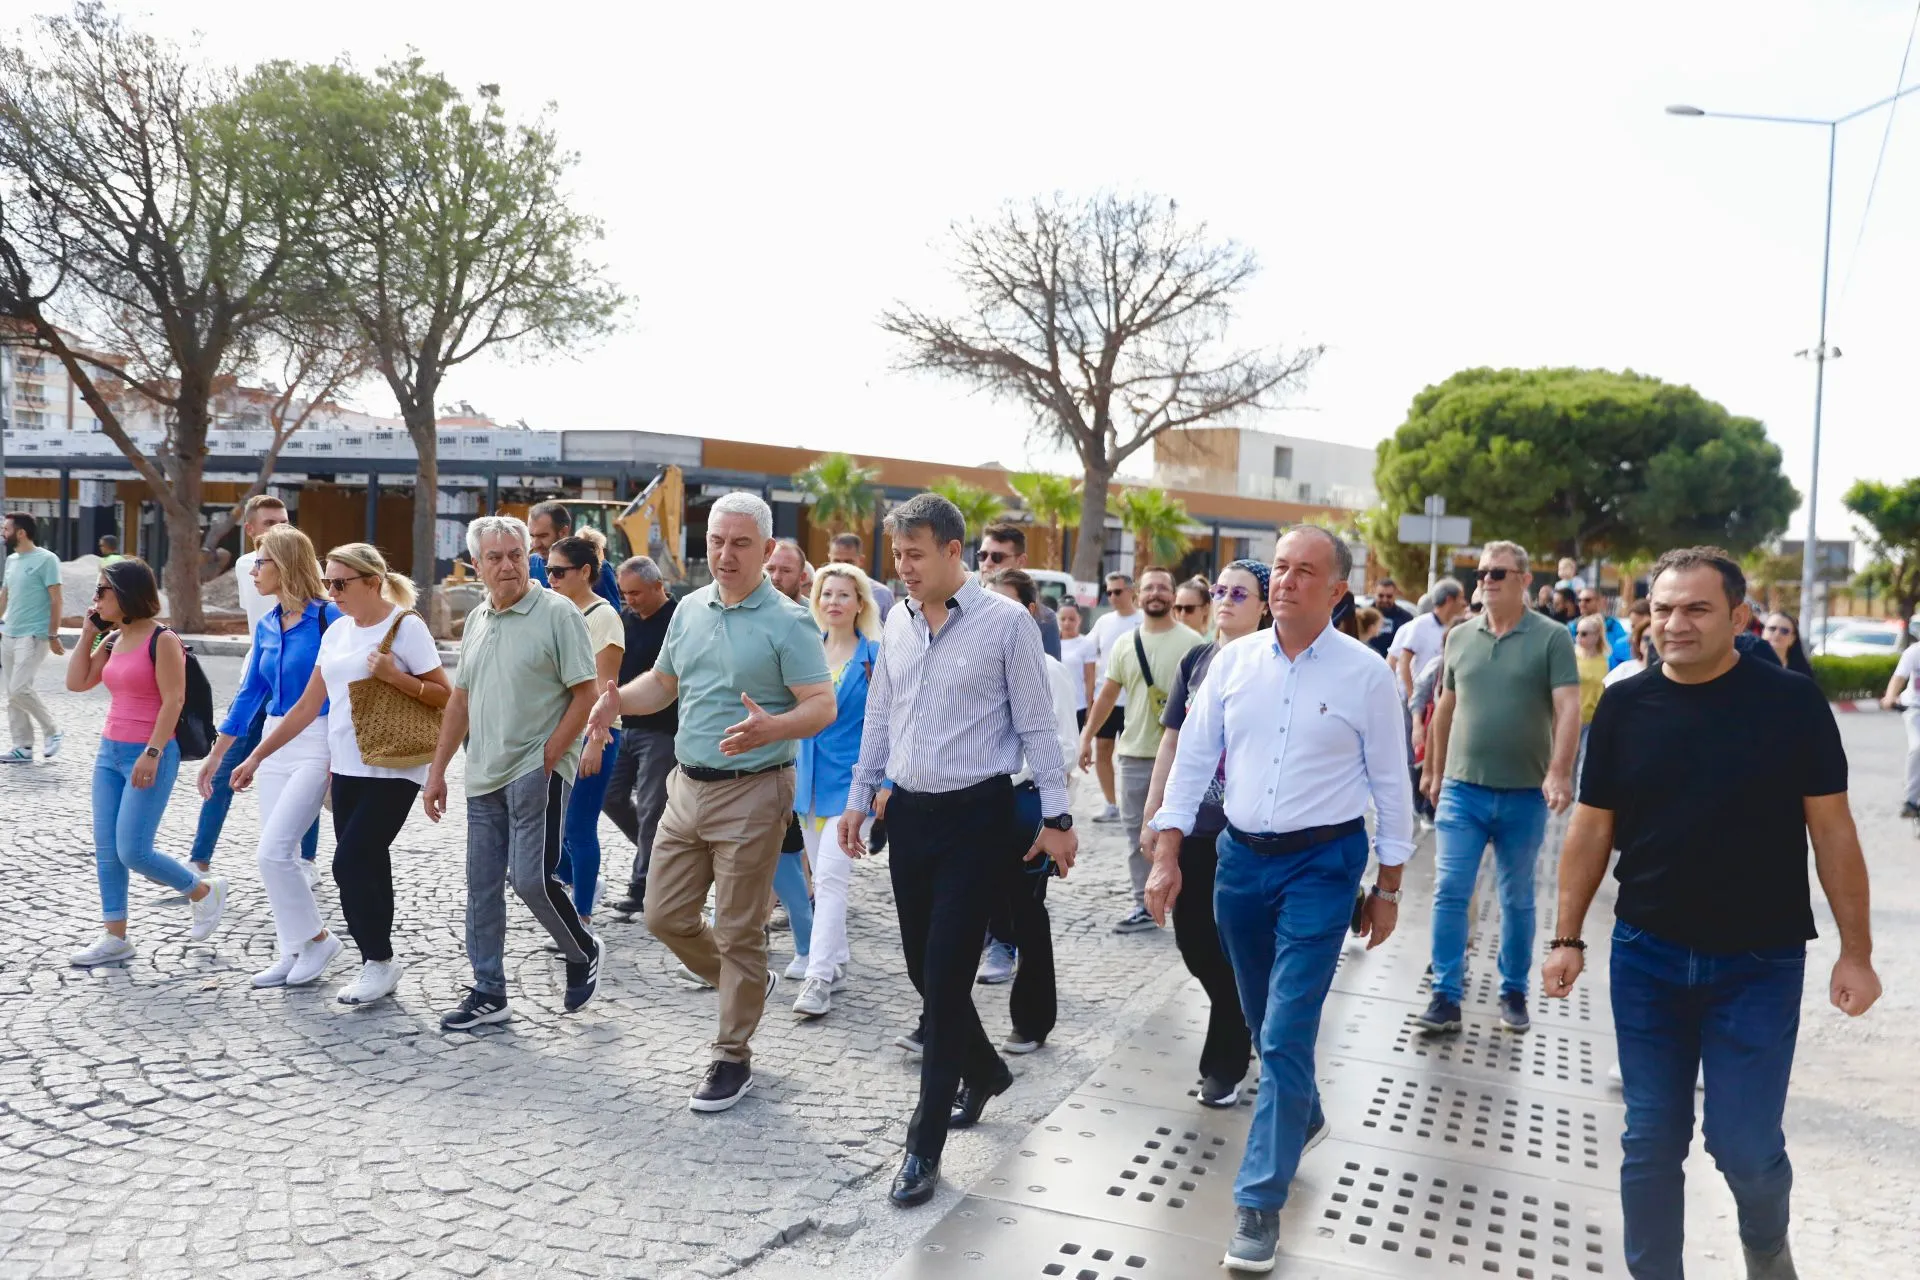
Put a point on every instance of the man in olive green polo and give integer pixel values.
(750, 673)
(1504, 735)
(522, 693)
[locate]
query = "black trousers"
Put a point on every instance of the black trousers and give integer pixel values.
(1020, 919)
(367, 816)
(1228, 1046)
(949, 856)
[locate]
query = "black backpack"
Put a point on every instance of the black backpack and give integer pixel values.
(196, 729)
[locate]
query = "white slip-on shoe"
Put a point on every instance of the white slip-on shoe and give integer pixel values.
(208, 910)
(314, 959)
(377, 980)
(311, 867)
(277, 975)
(797, 969)
(106, 949)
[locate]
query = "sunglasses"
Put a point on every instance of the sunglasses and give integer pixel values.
(559, 570)
(1189, 608)
(1777, 631)
(1496, 575)
(259, 560)
(100, 592)
(341, 584)
(1239, 595)
(995, 557)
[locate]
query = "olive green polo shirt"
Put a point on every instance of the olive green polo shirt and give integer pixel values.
(1503, 699)
(759, 647)
(518, 666)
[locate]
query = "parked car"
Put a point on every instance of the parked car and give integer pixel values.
(1862, 640)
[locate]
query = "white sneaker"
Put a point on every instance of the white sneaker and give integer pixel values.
(377, 980)
(312, 869)
(688, 978)
(51, 747)
(839, 978)
(1109, 814)
(314, 959)
(797, 969)
(207, 911)
(107, 949)
(277, 975)
(816, 999)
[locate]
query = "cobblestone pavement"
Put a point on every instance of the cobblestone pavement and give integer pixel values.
(167, 1120)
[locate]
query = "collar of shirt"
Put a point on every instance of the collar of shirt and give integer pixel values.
(1311, 651)
(755, 598)
(1483, 622)
(521, 605)
(965, 598)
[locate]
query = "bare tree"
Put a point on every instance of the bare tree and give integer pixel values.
(1107, 318)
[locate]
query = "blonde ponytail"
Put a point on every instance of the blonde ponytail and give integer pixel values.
(366, 559)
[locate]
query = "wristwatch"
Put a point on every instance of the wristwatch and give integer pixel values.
(152, 753)
(1389, 896)
(1061, 822)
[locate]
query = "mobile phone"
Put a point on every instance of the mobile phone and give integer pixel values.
(99, 623)
(1359, 911)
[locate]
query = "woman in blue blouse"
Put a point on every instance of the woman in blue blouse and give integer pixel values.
(850, 624)
(286, 644)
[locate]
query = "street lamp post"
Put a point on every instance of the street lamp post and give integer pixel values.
(1820, 353)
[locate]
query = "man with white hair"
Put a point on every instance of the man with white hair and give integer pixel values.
(750, 673)
(521, 697)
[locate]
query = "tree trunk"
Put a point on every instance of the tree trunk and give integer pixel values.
(426, 503)
(1090, 547)
(182, 575)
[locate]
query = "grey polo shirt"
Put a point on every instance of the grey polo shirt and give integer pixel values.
(518, 666)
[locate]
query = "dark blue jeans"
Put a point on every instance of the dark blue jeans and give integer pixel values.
(213, 811)
(580, 847)
(1282, 919)
(1676, 1011)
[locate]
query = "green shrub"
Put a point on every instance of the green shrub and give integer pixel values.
(1843, 679)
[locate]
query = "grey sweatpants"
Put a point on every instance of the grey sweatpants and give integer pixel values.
(513, 834)
(1135, 776)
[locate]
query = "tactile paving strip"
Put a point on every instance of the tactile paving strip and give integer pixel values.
(1478, 1122)
(992, 1240)
(1554, 1058)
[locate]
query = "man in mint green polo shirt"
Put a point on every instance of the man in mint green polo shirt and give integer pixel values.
(522, 693)
(1504, 735)
(750, 673)
(30, 607)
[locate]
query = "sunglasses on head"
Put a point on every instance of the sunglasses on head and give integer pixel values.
(1237, 594)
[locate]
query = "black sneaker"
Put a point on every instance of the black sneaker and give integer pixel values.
(476, 1010)
(582, 978)
(1218, 1093)
(1513, 1011)
(1910, 810)
(913, 1042)
(634, 904)
(1316, 1134)
(726, 1084)
(1442, 1015)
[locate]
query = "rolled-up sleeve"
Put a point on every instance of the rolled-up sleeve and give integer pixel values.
(1389, 776)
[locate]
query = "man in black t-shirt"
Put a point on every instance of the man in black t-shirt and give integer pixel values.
(637, 785)
(1393, 614)
(1708, 773)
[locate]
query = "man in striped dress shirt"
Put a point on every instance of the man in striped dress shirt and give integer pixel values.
(959, 697)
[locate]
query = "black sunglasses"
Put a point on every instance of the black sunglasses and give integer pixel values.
(559, 570)
(995, 557)
(1496, 575)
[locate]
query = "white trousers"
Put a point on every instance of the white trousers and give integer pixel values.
(1912, 717)
(23, 656)
(291, 783)
(832, 875)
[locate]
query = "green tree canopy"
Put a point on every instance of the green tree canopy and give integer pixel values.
(1052, 500)
(1158, 524)
(839, 490)
(1578, 461)
(1891, 516)
(978, 507)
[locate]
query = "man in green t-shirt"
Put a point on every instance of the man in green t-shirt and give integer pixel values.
(1504, 735)
(30, 607)
(1142, 665)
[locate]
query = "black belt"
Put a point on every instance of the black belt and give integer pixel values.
(999, 784)
(1271, 844)
(700, 772)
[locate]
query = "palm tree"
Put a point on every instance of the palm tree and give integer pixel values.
(839, 490)
(978, 507)
(1052, 500)
(1157, 523)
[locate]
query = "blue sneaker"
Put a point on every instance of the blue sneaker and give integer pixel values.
(1513, 1011)
(1440, 1016)
(1256, 1237)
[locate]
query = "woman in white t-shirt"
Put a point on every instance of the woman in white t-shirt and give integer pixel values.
(380, 637)
(1079, 654)
(573, 566)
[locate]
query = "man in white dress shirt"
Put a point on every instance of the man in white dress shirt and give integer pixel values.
(1310, 722)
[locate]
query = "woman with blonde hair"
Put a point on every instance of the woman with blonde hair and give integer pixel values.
(849, 621)
(378, 638)
(280, 666)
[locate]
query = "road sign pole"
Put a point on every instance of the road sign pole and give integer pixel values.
(1433, 552)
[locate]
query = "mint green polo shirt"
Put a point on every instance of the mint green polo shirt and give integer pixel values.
(518, 666)
(1503, 699)
(759, 647)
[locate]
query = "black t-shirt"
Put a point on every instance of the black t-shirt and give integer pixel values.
(1391, 620)
(1706, 784)
(644, 638)
(1210, 819)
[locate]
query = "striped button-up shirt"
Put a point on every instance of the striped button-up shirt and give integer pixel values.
(954, 708)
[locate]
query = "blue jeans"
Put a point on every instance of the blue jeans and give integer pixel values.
(1468, 817)
(1676, 1010)
(790, 886)
(125, 818)
(580, 844)
(213, 810)
(1282, 919)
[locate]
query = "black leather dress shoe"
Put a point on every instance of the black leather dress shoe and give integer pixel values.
(915, 1182)
(972, 1100)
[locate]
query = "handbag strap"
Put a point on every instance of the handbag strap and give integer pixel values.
(386, 645)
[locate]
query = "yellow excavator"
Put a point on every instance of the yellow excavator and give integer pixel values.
(649, 524)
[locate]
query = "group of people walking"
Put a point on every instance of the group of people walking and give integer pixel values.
(751, 738)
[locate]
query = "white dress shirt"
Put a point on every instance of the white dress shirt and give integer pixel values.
(1426, 636)
(1063, 713)
(1308, 742)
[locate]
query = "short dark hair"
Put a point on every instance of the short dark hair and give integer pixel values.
(928, 511)
(110, 542)
(554, 510)
(23, 522)
(1021, 582)
(847, 540)
(1004, 532)
(134, 586)
(1386, 582)
(580, 553)
(1159, 568)
(1683, 558)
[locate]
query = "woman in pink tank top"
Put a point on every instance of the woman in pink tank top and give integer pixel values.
(144, 667)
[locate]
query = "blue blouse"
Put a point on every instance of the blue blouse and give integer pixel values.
(826, 760)
(279, 665)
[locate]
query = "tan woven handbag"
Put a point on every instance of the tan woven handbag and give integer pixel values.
(392, 730)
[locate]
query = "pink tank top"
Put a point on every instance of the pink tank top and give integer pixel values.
(135, 708)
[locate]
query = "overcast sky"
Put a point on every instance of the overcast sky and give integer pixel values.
(1428, 187)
